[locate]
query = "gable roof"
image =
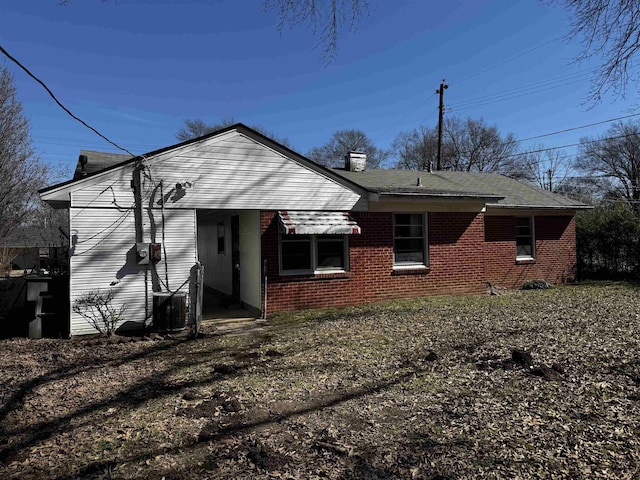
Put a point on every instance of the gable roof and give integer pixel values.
(219, 150)
(101, 162)
(498, 190)
(96, 161)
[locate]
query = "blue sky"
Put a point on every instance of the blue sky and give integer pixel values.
(136, 69)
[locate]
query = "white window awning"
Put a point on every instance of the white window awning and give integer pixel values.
(318, 223)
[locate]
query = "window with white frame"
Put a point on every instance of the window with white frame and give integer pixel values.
(304, 254)
(525, 243)
(409, 240)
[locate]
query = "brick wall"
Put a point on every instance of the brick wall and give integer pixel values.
(555, 251)
(465, 251)
(457, 264)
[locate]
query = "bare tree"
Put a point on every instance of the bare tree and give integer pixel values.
(581, 188)
(614, 161)
(325, 17)
(610, 30)
(417, 149)
(468, 145)
(547, 169)
(475, 146)
(332, 153)
(197, 127)
(21, 171)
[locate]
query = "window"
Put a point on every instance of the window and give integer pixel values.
(409, 240)
(221, 238)
(524, 238)
(330, 252)
(304, 254)
(295, 252)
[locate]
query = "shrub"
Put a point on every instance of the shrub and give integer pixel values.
(97, 309)
(608, 241)
(536, 285)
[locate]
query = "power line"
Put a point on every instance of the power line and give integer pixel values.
(515, 142)
(84, 144)
(55, 99)
(626, 135)
(68, 112)
(71, 141)
(507, 60)
(510, 94)
(578, 128)
(506, 95)
(549, 81)
(388, 129)
(530, 89)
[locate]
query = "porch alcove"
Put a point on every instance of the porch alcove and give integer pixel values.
(228, 243)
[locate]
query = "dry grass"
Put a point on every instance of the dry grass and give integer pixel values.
(417, 389)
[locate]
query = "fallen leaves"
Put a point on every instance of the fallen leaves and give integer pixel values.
(521, 385)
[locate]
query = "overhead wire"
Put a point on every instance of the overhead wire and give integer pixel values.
(627, 135)
(530, 89)
(571, 129)
(489, 99)
(536, 88)
(514, 93)
(86, 144)
(146, 167)
(59, 103)
(507, 60)
(71, 114)
(518, 92)
(468, 77)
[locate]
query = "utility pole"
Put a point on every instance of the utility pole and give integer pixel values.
(550, 174)
(440, 91)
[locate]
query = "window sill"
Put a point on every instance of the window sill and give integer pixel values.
(330, 272)
(410, 270)
(312, 273)
(296, 273)
(525, 260)
(318, 275)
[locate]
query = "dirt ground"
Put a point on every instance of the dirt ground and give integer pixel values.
(529, 384)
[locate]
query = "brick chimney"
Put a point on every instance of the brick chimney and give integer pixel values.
(355, 161)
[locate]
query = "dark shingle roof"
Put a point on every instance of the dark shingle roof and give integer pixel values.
(97, 161)
(497, 189)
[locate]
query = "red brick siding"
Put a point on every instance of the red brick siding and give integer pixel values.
(465, 250)
(555, 251)
(457, 264)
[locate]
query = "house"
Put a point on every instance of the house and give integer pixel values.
(33, 247)
(32, 269)
(278, 232)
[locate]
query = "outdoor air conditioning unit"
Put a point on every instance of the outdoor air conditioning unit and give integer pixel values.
(169, 311)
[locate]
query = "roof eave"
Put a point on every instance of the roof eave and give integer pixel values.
(448, 196)
(506, 206)
(240, 128)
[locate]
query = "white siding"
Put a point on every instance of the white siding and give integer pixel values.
(238, 173)
(231, 171)
(102, 257)
(250, 255)
(112, 190)
(180, 243)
